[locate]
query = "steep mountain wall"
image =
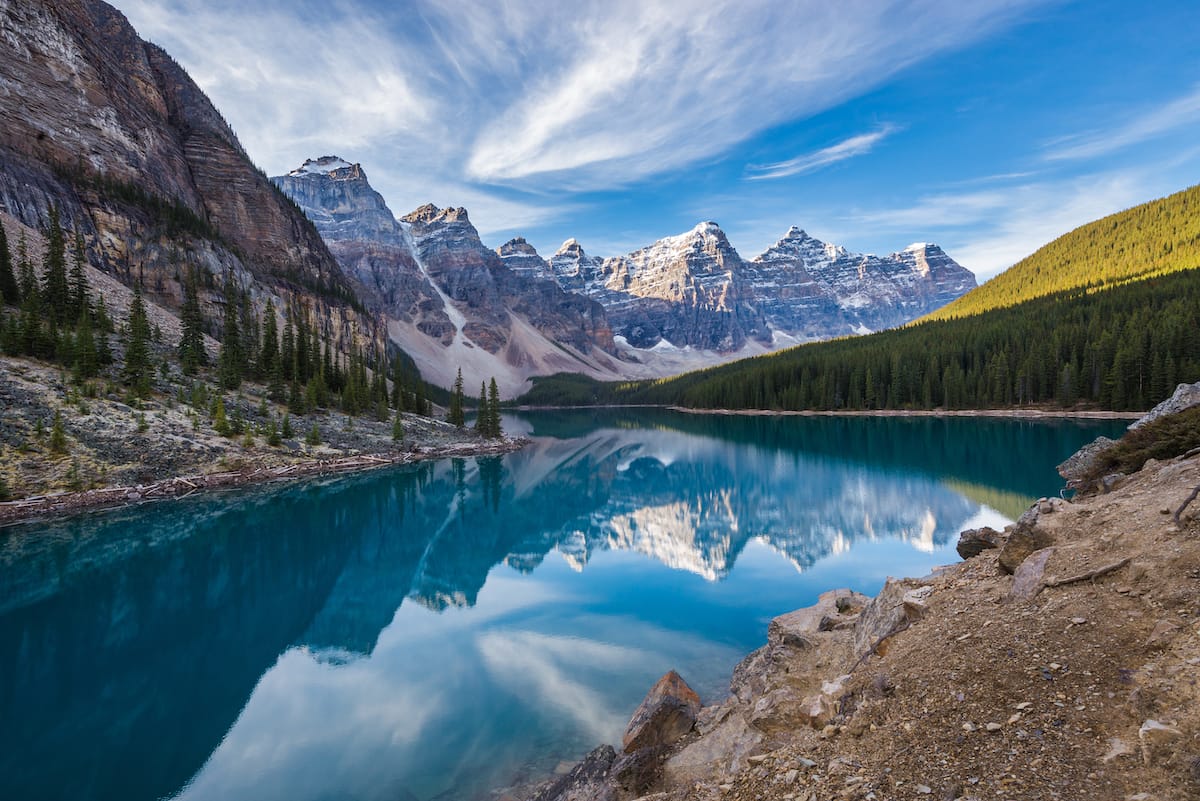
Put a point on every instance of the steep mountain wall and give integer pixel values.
(113, 132)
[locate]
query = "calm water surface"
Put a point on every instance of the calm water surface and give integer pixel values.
(435, 631)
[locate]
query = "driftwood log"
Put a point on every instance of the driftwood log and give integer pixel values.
(1091, 574)
(1184, 505)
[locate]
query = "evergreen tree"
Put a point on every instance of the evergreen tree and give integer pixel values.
(229, 362)
(454, 414)
(481, 418)
(10, 337)
(56, 296)
(220, 421)
(273, 438)
(494, 429)
(249, 338)
(269, 359)
(398, 393)
(30, 329)
(81, 295)
(398, 426)
(137, 371)
(419, 403)
(25, 274)
(295, 400)
(287, 350)
(10, 293)
(58, 436)
(300, 360)
(104, 327)
(192, 355)
(87, 362)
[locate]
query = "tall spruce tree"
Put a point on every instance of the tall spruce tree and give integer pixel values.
(10, 293)
(56, 295)
(249, 337)
(454, 414)
(81, 295)
(137, 371)
(494, 429)
(287, 349)
(399, 395)
(87, 362)
(192, 355)
(104, 327)
(25, 274)
(269, 361)
(229, 362)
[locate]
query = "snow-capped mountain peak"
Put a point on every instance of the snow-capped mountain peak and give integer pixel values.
(322, 166)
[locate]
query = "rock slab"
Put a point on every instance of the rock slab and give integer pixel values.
(667, 713)
(975, 541)
(1026, 537)
(1185, 397)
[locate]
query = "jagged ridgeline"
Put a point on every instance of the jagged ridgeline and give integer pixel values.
(1155, 238)
(1120, 340)
(141, 165)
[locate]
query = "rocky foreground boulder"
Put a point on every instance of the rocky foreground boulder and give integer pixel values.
(1072, 676)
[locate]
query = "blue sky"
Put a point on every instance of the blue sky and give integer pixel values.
(988, 127)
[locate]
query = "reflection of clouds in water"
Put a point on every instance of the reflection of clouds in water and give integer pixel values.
(309, 727)
(554, 671)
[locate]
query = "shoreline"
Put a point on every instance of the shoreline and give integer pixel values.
(1031, 414)
(64, 504)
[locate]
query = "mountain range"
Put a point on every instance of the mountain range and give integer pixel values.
(112, 132)
(684, 302)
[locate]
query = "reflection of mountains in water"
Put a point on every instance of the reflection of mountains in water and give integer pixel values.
(144, 631)
(694, 503)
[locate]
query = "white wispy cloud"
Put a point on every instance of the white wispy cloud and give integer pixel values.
(809, 162)
(1141, 127)
(586, 95)
(650, 87)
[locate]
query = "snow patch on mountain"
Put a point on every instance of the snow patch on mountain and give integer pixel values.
(322, 166)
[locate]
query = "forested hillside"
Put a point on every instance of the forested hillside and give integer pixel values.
(1120, 348)
(1155, 238)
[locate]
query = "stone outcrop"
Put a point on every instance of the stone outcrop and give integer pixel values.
(975, 541)
(1026, 536)
(112, 131)
(667, 713)
(1184, 397)
(587, 781)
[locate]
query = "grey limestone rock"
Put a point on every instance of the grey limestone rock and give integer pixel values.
(1185, 397)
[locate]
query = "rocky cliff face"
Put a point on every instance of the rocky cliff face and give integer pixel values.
(695, 291)
(112, 131)
(451, 301)
(689, 290)
(812, 289)
(369, 243)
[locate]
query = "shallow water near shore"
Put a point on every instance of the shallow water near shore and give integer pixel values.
(439, 630)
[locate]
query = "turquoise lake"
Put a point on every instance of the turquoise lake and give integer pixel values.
(436, 631)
